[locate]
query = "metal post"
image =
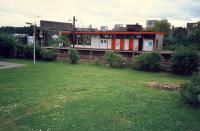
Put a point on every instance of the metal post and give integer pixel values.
(34, 42)
(90, 43)
(74, 19)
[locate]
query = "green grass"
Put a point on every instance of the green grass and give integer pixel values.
(59, 96)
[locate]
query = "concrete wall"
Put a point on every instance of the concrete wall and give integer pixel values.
(159, 38)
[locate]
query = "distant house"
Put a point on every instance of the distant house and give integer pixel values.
(150, 24)
(134, 28)
(119, 27)
(179, 32)
(191, 26)
(51, 29)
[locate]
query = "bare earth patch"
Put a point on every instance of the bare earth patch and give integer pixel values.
(164, 86)
(8, 65)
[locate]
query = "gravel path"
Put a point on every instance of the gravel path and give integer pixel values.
(7, 65)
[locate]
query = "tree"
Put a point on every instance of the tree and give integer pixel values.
(185, 61)
(61, 39)
(162, 26)
(194, 36)
(73, 56)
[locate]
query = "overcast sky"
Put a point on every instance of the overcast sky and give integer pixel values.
(99, 12)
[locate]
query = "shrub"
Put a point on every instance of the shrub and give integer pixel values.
(119, 61)
(184, 61)
(148, 62)
(7, 45)
(48, 55)
(73, 56)
(190, 91)
(114, 60)
(109, 57)
(20, 49)
(26, 51)
(97, 62)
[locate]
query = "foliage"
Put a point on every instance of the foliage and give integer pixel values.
(119, 61)
(97, 62)
(61, 39)
(18, 30)
(180, 34)
(29, 50)
(191, 91)
(184, 61)
(109, 57)
(21, 51)
(7, 45)
(114, 60)
(73, 56)
(162, 26)
(148, 62)
(48, 55)
(194, 36)
(169, 43)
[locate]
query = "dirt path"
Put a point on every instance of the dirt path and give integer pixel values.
(7, 65)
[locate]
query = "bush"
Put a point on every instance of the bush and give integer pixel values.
(109, 57)
(97, 62)
(190, 91)
(114, 60)
(119, 61)
(73, 56)
(148, 62)
(184, 61)
(48, 55)
(7, 46)
(26, 51)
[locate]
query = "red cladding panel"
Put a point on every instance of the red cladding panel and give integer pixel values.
(113, 44)
(121, 44)
(130, 44)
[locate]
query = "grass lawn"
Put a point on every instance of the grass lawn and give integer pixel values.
(59, 96)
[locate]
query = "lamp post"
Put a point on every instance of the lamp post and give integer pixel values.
(73, 29)
(34, 31)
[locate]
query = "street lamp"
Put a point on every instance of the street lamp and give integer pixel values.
(73, 30)
(34, 26)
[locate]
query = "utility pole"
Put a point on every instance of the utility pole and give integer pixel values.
(90, 43)
(34, 38)
(74, 30)
(34, 41)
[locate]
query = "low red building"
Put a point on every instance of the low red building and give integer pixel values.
(138, 41)
(91, 45)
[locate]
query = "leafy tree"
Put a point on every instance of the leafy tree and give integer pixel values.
(180, 35)
(184, 61)
(20, 30)
(7, 45)
(48, 55)
(61, 39)
(73, 56)
(190, 91)
(162, 26)
(114, 59)
(109, 57)
(148, 62)
(194, 36)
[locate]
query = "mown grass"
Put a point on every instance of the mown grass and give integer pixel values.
(60, 96)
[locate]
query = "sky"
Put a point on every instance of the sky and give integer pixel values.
(99, 12)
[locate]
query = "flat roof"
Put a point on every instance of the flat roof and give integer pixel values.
(113, 33)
